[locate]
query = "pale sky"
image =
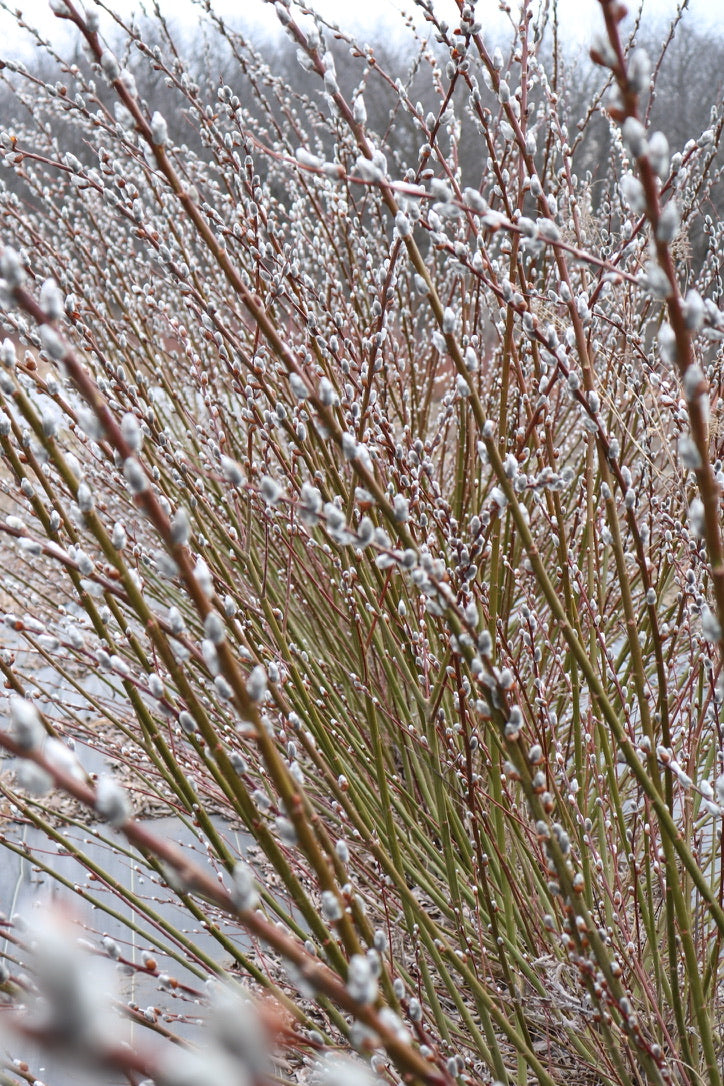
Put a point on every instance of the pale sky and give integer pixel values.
(580, 18)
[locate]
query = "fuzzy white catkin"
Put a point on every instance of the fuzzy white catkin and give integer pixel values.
(131, 431)
(135, 476)
(180, 527)
(244, 890)
(32, 778)
(336, 1070)
(306, 158)
(76, 988)
(11, 268)
(361, 979)
(331, 908)
(159, 130)
(109, 64)
(8, 356)
(28, 730)
(119, 538)
(51, 300)
(232, 471)
(256, 683)
(270, 490)
(51, 342)
(205, 581)
(214, 628)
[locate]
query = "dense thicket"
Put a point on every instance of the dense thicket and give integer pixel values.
(363, 569)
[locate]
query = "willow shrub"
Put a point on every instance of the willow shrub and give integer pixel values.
(380, 496)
